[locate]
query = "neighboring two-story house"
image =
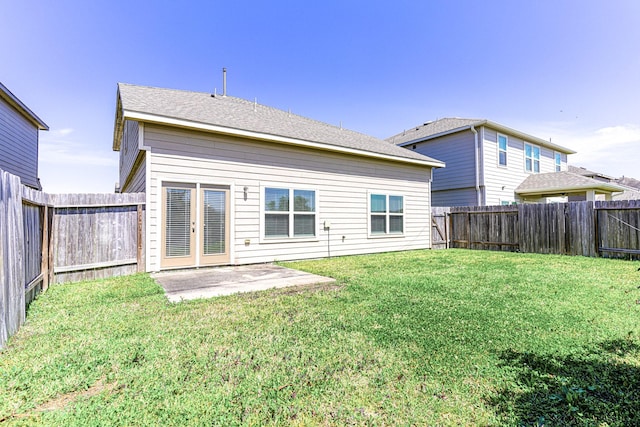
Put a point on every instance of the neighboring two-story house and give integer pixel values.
(491, 164)
(19, 128)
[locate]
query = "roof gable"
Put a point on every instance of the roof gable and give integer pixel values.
(235, 116)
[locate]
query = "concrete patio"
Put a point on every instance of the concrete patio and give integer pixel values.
(182, 285)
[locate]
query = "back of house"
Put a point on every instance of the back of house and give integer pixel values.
(230, 181)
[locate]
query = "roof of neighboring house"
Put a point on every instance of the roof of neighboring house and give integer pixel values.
(239, 117)
(13, 100)
(563, 182)
(629, 182)
(629, 193)
(588, 173)
(446, 126)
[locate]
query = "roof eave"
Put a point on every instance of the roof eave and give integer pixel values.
(498, 127)
(530, 138)
(23, 109)
(118, 123)
(164, 120)
(571, 189)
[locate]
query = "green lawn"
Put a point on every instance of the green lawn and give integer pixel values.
(417, 338)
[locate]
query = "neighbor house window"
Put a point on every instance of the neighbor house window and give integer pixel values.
(558, 161)
(386, 214)
(532, 158)
(502, 150)
(289, 212)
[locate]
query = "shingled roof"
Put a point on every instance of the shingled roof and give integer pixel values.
(236, 116)
(563, 182)
(446, 126)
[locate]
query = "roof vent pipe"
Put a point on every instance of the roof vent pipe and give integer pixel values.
(224, 82)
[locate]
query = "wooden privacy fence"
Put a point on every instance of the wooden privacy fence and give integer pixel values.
(607, 229)
(47, 238)
(97, 235)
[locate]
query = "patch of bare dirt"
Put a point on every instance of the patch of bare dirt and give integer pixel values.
(65, 400)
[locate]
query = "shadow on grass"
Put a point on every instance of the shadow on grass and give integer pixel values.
(594, 389)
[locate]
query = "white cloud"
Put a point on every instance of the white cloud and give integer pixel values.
(612, 150)
(63, 152)
(60, 132)
(67, 166)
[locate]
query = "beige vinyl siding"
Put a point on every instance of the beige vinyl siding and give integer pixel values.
(18, 145)
(496, 177)
(341, 181)
(128, 152)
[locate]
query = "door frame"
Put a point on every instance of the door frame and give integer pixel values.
(160, 181)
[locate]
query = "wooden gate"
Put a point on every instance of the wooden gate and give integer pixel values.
(440, 228)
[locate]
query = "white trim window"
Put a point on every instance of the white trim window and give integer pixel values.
(503, 143)
(386, 214)
(558, 161)
(289, 213)
(531, 158)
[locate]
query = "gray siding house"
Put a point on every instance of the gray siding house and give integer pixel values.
(486, 162)
(19, 128)
(230, 181)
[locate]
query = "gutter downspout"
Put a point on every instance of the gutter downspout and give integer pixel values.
(475, 135)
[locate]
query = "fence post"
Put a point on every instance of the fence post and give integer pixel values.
(51, 243)
(596, 231)
(44, 262)
(469, 230)
(12, 307)
(447, 230)
(141, 262)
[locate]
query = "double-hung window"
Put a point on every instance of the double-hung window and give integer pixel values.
(386, 214)
(289, 213)
(558, 161)
(531, 158)
(502, 150)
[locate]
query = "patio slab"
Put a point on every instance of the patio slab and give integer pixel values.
(182, 285)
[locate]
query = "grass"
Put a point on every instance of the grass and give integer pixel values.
(417, 338)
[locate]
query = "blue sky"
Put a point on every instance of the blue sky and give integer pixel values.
(566, 70)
